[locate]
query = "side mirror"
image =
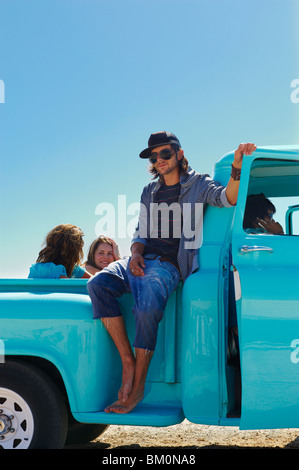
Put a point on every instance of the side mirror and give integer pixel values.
(289, 218)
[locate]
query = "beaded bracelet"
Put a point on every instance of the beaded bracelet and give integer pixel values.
(235, 173)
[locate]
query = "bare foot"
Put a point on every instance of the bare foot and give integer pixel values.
(110, 408)
(127, 379)
(126, 406)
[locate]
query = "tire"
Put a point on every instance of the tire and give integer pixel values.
(80, 433)
(33, 414)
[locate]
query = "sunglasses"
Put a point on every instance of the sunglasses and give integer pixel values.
(164, 154)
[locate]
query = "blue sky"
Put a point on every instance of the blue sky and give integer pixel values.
(87, 82)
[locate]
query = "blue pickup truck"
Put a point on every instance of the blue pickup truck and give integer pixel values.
(59, 367)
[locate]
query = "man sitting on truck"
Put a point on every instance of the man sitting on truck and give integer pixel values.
(159, 258)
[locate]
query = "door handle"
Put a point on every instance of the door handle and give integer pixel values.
(250, 249)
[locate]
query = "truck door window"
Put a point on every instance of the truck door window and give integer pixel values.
(273, 188)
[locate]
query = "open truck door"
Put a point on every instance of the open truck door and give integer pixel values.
(267, 296)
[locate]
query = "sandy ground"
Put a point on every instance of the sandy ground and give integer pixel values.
(192, 436)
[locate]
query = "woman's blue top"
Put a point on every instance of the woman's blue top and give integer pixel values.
(53, 271)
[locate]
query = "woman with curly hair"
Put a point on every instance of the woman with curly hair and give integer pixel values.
(102, 252)
(62, 255)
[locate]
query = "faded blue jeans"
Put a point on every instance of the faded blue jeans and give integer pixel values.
(150, 293)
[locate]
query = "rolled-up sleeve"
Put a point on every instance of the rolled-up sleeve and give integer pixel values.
(224, 199)
(213, 193)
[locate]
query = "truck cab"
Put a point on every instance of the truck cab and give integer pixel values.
(59, 368)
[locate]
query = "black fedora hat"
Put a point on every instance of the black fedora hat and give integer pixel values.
(158, 139)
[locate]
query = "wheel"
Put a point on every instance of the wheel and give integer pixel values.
(80, 433)
(33, 414)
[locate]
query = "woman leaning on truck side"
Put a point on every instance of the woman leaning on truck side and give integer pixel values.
(102, 252)
(62, 255)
